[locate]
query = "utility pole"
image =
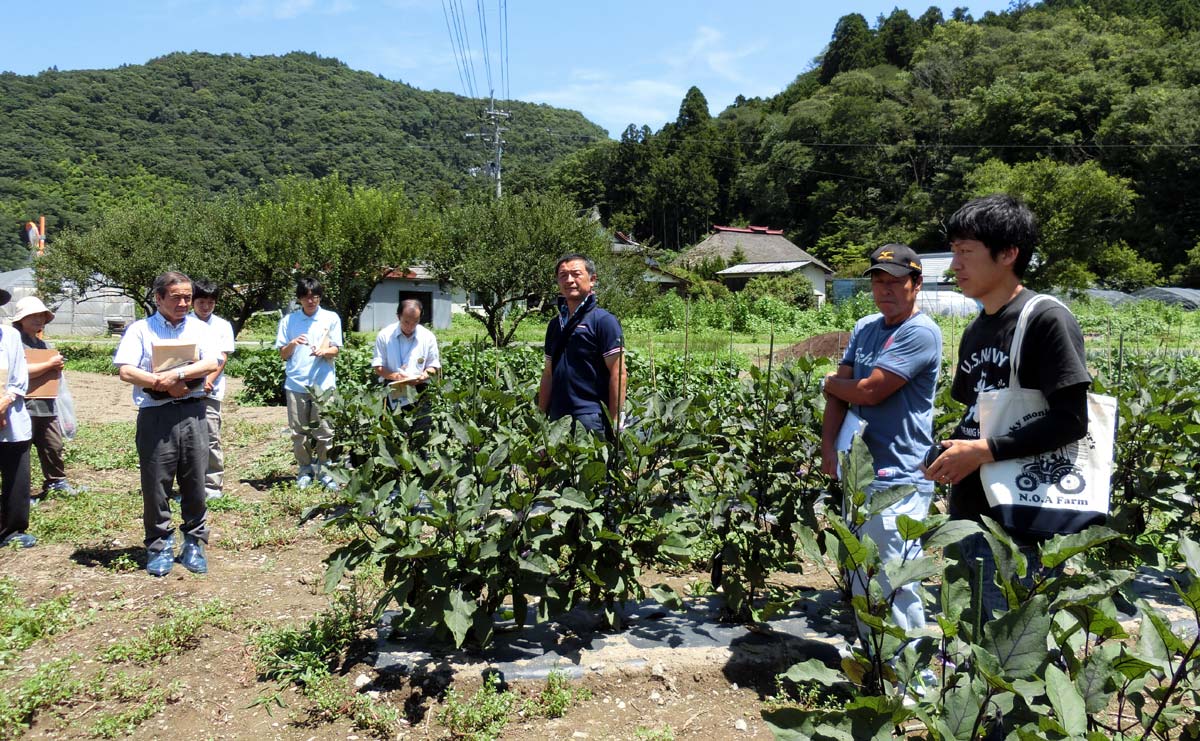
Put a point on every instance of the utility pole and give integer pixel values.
(495, 138)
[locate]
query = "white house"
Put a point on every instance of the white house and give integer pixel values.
(766, 252)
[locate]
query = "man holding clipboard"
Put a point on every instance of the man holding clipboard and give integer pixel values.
(308, 340)
(165, 357)
(889, 377)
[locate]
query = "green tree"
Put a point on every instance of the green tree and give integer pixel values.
(251, 245)
(502, 252)
(1076, 206)
(853, 46)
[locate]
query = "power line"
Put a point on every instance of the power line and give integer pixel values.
(465, 39)
(504, 68)
(483, 38)
(454, 48)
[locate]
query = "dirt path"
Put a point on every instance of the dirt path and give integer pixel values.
(268, 572)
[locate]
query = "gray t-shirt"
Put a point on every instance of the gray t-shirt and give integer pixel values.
(900, 428)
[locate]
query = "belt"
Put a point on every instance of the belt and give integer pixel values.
(174, 403)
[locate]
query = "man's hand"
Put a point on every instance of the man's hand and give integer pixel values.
(208, 386)
(829, 462)
(6, 402)
(960, 459)
(57, 362)
(300, 339)
(825, 384)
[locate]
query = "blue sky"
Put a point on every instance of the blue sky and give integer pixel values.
(619, 62)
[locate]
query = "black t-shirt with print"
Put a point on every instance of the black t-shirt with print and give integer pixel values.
(1052, 360)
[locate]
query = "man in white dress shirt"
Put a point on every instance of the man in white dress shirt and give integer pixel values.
(172, 436)
(406, 355)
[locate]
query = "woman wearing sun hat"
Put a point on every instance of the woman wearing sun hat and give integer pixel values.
(30, 317)
(16, 432)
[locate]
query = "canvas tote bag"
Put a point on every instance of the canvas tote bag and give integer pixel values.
(1062, 491)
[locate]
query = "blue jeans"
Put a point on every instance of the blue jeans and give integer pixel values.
(907, 610)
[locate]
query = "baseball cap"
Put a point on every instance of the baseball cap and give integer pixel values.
(895, 259)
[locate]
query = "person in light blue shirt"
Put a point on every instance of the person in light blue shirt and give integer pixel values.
(888, 376)
(308, 341)
(16, 436)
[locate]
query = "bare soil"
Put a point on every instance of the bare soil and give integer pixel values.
(275, 580)
(828, 345)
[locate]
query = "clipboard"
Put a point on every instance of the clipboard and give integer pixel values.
(167, 355)
(852, 425)
(44, 386)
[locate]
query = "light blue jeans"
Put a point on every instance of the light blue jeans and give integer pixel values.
(907, 610)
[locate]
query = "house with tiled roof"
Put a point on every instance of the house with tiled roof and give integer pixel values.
(753, 251)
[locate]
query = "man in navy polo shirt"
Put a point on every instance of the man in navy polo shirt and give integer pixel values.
(585, 363)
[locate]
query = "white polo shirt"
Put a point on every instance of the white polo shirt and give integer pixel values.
(223, 336)
(137, 349)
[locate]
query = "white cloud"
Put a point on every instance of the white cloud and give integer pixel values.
(709, 50)
(614, 103)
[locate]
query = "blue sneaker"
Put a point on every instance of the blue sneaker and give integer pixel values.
(303, 481)
(328, 482)
(159, 563)
(62, 488)
(192, 555)
(20, 540)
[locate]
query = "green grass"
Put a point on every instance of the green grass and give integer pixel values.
(330, 699)
(150, 701)
(480, 716)
(51, 683)
(95, 515)
(107, 446)
(555, 698)
(665, 733)
(177, 631)
(21, 624)
(89, 357)
(301, 655)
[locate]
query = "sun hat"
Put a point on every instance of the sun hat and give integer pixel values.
(28, 306)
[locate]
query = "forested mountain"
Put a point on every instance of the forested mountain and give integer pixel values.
(1089, 110)
(72, 139)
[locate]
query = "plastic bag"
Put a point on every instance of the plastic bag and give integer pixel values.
(65, 406)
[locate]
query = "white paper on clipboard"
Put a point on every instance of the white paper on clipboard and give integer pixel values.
(852, 425)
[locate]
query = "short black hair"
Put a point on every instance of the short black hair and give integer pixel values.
(572, 257)
(163, 283)
(307, 285)
(999, 221)
(202, 288)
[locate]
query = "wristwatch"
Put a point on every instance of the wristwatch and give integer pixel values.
(180, 374)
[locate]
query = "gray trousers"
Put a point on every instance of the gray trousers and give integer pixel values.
(172, 445)
(311, 433)
(214, 477)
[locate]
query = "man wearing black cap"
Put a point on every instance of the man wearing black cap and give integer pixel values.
(16, 435)
(888, 378)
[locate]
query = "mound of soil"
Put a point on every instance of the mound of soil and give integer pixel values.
(828, 345)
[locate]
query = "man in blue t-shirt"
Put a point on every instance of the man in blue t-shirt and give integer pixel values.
(888, 377)
(584, 374)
